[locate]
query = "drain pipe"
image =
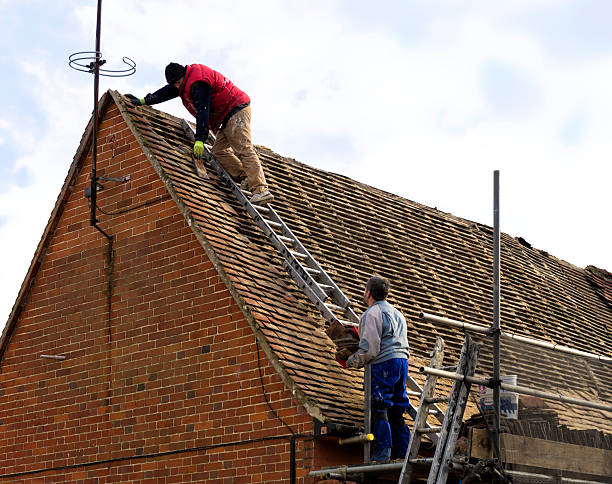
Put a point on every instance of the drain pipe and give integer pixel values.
(292, 459)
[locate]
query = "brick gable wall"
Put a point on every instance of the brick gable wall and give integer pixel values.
(160, 388)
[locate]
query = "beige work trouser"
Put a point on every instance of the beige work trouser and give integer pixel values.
(234, 150)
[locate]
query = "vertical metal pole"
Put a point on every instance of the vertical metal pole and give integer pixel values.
(367, 414)
(94, 148)
(496, 319)
(292, 459)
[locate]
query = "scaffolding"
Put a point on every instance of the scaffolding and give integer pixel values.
(500, 459)
(336, 309)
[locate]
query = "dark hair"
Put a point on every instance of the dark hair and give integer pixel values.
(174, 72)
(378, 288)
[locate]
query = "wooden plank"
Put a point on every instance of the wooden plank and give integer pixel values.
(546, 454)
(481, 445)
(556, 455)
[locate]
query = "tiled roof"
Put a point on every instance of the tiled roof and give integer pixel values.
(437, 263)
(602, 280)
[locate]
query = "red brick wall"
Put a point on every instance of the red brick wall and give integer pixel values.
(172, 368)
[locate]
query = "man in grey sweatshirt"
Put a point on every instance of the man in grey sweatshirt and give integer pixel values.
(384, 343)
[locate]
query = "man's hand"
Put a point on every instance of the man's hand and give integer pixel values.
(134, 100)
(198, 149)
(342, 355)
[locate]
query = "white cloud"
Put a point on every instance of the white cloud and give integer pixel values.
(405, 114)
(25, 210)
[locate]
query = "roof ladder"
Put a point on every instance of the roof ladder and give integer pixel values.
(301, 265)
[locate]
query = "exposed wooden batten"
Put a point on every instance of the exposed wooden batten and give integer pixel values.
(545, 454)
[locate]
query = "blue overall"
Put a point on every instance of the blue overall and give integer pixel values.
(389, 401)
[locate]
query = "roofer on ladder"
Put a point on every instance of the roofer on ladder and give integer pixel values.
(384, 343)
(218, 105)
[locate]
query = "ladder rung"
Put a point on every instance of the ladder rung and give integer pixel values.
(298, 255)
(436, 400)
(413, 394)
(422, 460)
(276, 225)
(261, 209)
(286, 240)
(429, 430)
(346, 323)
(326, 288)
(312, 272)
(335, 307)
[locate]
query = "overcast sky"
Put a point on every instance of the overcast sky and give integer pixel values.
(420, 98)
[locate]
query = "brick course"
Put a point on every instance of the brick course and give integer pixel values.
(168, 366)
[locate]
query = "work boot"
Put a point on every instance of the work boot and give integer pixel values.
(262, 197)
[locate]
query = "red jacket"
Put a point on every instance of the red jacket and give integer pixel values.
(224, 95)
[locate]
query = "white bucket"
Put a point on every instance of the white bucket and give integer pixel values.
(508, 400)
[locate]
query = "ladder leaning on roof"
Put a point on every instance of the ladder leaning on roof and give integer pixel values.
(305, 270)
(308, 274)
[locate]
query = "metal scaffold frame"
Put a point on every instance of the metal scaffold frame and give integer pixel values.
(320, 289)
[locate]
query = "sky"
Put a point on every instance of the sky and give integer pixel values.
(424, 99)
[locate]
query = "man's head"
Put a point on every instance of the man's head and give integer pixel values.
(174, 72)
(377, 289)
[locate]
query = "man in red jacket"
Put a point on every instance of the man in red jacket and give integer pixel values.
(219, 106)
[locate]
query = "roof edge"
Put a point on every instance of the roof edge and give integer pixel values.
(311, 406)
(41, 249)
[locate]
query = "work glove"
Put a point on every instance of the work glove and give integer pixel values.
(134, 100)
(343, 355)
(198, 149)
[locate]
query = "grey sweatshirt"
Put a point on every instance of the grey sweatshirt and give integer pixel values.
(382, 333)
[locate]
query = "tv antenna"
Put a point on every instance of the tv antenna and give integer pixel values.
(78, 61)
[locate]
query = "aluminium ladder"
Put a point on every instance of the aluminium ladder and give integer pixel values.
(301, 265)
(308, 274)
(443, 459)
(451, 426)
